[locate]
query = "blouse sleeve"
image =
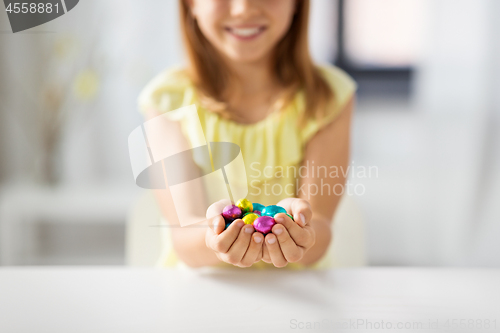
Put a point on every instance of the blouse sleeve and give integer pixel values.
(171, 93)
(169, 90)
(343, 87)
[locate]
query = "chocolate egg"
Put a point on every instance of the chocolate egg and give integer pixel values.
(228, 220)
(264, 224)
(273, 210)
(257, 212)
(245, 205)
(258, 206)
(250, 218)
(290, 216)
(231, 212)
(227, 225)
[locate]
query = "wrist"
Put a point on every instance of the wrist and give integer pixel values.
(323, 237)
(190, 247)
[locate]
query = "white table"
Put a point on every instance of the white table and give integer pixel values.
(147, 300)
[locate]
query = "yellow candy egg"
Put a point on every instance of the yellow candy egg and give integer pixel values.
(245, 205)
(249, 218)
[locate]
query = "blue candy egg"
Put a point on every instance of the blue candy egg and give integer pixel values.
(258, 206)
(227, 225)
(273, 210)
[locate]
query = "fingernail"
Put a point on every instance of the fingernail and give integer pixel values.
(277, 231)
(240, 224)
(257, 239)
(303, 219)
(271, 240)
(248, 230)
(279, 219)
(216, 224)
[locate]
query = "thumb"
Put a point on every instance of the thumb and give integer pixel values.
(217, 224)
(215, 220)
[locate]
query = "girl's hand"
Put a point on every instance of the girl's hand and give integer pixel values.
(290, 239)
(238, 245)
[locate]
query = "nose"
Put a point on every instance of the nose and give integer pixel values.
(243, 8)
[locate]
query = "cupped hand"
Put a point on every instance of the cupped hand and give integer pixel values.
(239, 244)
(290, 240)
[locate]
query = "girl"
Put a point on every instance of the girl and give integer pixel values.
(254, 84)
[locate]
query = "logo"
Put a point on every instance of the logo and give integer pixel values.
(31, 13)
(196, 173)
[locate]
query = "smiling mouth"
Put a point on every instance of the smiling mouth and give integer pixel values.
(246, 33)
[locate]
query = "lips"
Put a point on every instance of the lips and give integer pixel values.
(246, 32)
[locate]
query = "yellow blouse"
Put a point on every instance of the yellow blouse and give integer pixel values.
(272, 149)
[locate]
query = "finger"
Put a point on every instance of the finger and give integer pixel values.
(275, 253)
(296, 207)
(301, 211)
(223, 241)
(217, 224)
(253, 251)
(293, 228)
(260, 255)
(265, 254)
(240, 245)
(286, 203)
(289, 249)
(214, 212)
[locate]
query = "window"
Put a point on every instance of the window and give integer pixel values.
(379, 43)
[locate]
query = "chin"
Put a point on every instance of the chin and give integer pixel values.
(246, 60)
(246, 57)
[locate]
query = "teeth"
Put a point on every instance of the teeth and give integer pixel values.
(245, 32)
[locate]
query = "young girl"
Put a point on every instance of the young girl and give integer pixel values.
(254, 84)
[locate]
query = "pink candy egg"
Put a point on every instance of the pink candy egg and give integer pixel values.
(231, 212)
(264, 224)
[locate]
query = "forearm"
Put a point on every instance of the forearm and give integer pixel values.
(190, 246)
(322, 228)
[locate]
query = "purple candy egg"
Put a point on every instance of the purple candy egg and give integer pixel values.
(231, 212)
(264, 224)
(257, 212)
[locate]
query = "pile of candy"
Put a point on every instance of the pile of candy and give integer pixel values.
(260, 216)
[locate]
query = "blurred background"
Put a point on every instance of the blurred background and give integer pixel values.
(428, 117)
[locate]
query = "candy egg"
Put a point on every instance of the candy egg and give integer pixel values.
(290, 216)
(264, 224)
(228, 220)
(227, 225)
(250, 218)
(258, 206)
(257, 212)
(231, 212)
(245, 205)
(273, 210)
